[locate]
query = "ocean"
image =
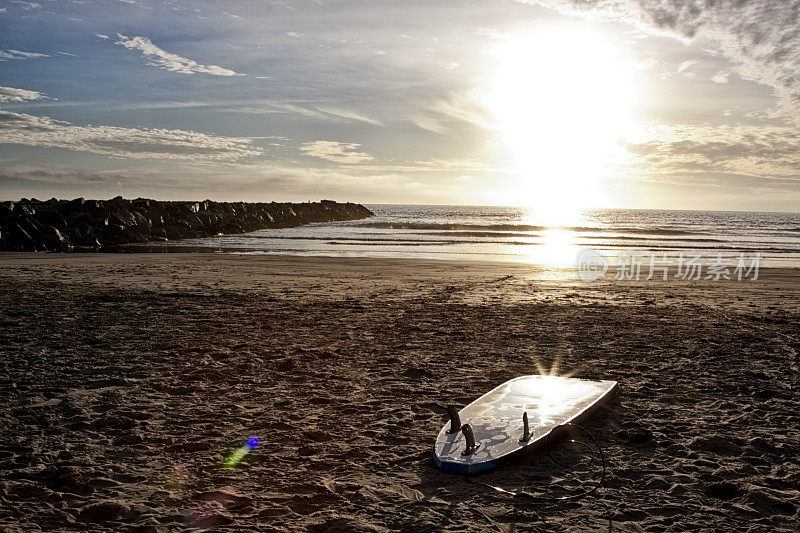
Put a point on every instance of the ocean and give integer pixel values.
(513, 234)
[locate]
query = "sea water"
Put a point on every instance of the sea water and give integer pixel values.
(515, 234)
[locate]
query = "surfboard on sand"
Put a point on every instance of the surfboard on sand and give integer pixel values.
(492, 429)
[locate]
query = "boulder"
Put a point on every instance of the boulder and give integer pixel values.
(52, 218)
(55, 241)
(123, 218)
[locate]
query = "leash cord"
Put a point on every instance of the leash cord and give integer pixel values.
(587, 492)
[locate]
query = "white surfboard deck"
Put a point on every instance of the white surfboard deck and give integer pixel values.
(496, 419)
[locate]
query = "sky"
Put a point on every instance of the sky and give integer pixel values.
(554, 104)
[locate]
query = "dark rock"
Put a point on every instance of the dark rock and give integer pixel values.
(193, 220)
(32, 228)
(102, 511)
(416, 373)
(75, 205)
(640, 436)
(19, 240)
(285, 365)
(6, 210)
(59, 225)
(174, 232)
(66, 479)
(21, 208)
(306, 450)
(52, 218)
(73, 234)
(123, 218)
(56, 241)
(716, 444)
(140, 221)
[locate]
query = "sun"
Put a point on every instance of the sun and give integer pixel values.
(562, 98)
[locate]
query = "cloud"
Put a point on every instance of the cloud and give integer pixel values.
(721, 77)
(768, 152)
(11, 94)
(261, 106)
(430, 124)
(647, 63)
(102, 36)
(26, 5)
(168, 61)
(19, 128)
(49, 175)
(336, 151)
(686, 65)
(181, 180)
(6, 55)
(761, 38)
(350, 115)
(463, 106)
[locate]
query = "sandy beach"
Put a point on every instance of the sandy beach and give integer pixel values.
(128, 379)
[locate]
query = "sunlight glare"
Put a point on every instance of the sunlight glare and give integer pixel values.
(562, 98)
(558, 248)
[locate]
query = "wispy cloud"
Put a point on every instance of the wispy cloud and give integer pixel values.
(721, 77)
(462, 106)
(26, 5)
(430, 124)
(261, 106)
(686, 65)
(169, 61)
(760, 37)
(19, 128)
(6, 55)
(12, 94)
(337, 152)
(257, 106)
(350, 115)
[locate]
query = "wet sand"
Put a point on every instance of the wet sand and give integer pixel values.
(127, 379)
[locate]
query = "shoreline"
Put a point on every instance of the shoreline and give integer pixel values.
(277, 256)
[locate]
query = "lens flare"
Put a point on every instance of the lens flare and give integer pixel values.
(235, 457)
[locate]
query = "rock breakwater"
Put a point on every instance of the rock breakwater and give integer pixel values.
(92, 225)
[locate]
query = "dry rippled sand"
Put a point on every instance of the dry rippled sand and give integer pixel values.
(127, 379)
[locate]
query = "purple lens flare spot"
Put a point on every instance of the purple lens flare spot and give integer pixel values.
(252, 442)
